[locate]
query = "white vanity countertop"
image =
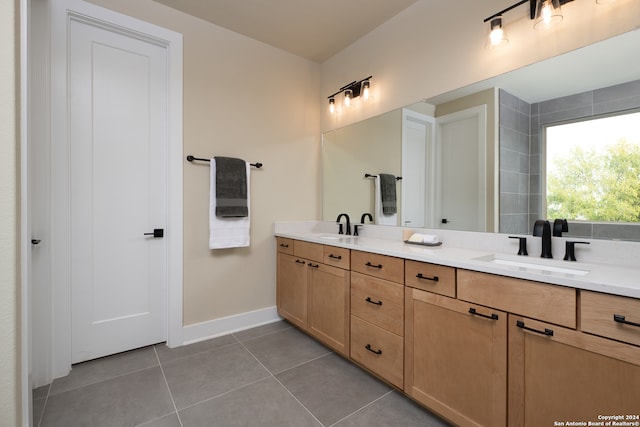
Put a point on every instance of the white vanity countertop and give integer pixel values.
(600, 277)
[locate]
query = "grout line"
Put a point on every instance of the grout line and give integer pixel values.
(259, 336)
(173, 402)
(198, 352)
(226, 392)
(283, 386)
(363, 408)
(330, 352)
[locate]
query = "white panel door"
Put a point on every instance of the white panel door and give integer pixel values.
(461, 142)
(417, 146)
(118, 188)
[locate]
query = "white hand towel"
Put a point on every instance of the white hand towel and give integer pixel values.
(381, 218)
(227, 232)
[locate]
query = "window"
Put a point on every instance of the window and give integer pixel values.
(593, 169)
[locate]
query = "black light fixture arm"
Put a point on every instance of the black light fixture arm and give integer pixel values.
(532, 8)
(355, 87)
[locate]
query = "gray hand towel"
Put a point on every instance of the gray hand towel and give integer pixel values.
(388, 193)
(231, 187)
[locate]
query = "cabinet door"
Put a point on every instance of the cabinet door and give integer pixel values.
(558, 374)
(456, 361)
(292, 289)
(328, 305)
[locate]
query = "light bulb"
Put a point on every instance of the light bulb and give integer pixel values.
(347, 97)
(497, 36)
(365, 89)
(548, 13)
(332, 105)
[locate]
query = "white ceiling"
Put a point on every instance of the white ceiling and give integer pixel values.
(312, 29)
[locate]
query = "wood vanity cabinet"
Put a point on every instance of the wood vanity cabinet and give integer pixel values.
(456, 358)
(558, 374)
(314, 295)
(377, 312)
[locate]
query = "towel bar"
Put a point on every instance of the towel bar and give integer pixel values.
(191, 158)
(368, 175)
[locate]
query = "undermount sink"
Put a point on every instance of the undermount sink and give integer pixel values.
(532, 265)
(332, 236)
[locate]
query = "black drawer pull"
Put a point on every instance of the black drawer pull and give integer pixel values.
(475, 313)
(368, 299)
(620, 319)
(368, 347)
(368, 264)
(433, 279)
(313, 265)
(335, 256)
(284, 245)
(299, 261)
(547, 332)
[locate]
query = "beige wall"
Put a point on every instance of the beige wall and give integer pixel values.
(437, 46)
(371, 146)
(242, 99)
(9, 199)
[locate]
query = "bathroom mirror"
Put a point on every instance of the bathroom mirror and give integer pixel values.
(375, 145)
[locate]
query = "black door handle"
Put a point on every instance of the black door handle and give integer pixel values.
(157, 232)
(35, 241)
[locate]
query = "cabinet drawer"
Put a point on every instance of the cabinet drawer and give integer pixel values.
(337, 257)
(285, 245)
(311, 251)
(598, 311)
(550, 303)
(430, 277)
(378, 301)
(378, 350)
(382, 266)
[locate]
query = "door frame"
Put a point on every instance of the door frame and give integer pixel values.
(60, 321)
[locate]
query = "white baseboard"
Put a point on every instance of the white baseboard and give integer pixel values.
(227, 325)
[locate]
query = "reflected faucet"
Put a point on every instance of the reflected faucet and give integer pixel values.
(542, 228)
(340, 231)
(364, 216)
(560, 226)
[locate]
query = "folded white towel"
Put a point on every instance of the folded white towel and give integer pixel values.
(380, 217)
(227, 232)
(424, 238)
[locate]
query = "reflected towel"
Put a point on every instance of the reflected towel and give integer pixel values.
(231, 232)
(380, 217)
(388, 193)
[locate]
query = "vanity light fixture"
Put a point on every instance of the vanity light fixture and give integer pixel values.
(545, 13)
(497, 36)
(351, 90)
(548, 13)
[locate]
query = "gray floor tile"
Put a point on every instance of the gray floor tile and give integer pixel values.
(170, 420)
(40, 392)
(166, 354)
(37, 410)
(332, 388)
(204, 375)
(262, 330)
(264, 404)
(127, 400)
(105, 368)
(393, 410)
(285, 349)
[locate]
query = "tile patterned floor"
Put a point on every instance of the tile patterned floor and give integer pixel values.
(272, 375)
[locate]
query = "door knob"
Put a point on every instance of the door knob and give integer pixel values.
(445, 221)
(35, 241)
(157, 232)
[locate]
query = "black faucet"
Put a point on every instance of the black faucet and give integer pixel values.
(340, 231)
(362, 218)
(542, 228)
(559, 226)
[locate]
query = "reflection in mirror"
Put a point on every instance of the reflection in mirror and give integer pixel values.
(596, 80)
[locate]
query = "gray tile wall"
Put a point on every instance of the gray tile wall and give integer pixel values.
(584, 105)
(515, 164)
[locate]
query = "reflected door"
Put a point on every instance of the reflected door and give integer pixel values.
(461, 171)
